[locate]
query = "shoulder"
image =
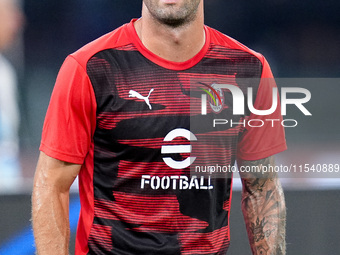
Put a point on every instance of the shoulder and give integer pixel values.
(225, 41)
(114, 39)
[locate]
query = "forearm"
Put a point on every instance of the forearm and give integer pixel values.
(264, 211)
(50, 221)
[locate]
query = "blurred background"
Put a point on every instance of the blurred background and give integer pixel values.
(300, 39)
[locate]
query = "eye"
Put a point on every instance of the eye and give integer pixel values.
(261, 251)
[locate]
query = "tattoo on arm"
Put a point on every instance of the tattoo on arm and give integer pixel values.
(263, 207)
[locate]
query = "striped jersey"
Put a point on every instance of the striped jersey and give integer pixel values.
(157, 140)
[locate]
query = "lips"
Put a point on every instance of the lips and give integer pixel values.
(170, 1)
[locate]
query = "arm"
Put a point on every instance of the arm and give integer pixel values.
(50, 204)
(264, 209)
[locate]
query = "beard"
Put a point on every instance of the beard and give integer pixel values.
(174, 15)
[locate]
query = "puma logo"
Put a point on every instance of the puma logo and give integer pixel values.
(133, 93)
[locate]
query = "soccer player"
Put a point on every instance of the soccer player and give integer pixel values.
(130, 116)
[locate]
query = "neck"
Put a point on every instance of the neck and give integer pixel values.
(173, 43)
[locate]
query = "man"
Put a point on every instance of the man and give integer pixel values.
(123, 116)
(11, 21)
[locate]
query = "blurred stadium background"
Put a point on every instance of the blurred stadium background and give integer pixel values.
(300, 39)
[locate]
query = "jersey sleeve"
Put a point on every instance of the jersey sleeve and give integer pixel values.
(70, 118)
(260, 142)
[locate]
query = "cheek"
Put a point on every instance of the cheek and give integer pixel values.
(151, 3)
(11, 24)
(8, 31)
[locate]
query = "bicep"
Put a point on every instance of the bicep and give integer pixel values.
(257, 174)
(50, 204)
(54, 174)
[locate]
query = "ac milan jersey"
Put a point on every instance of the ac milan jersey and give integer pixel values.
(144, 130)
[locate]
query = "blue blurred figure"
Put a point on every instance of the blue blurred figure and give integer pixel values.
(11, 21)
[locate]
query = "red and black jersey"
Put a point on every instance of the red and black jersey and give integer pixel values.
(134, 122)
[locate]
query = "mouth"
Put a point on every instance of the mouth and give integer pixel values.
(170, 1)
